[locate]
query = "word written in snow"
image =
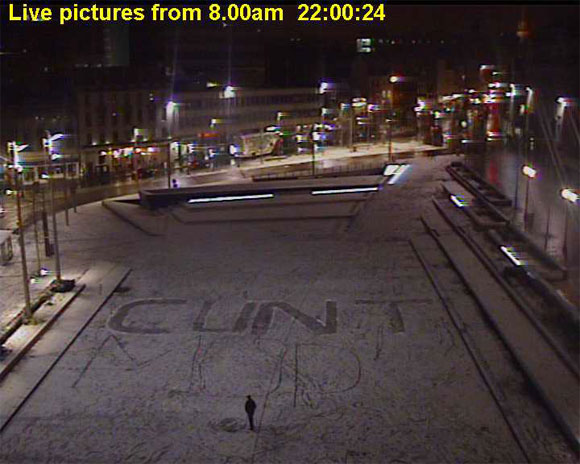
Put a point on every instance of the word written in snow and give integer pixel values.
(259, 325)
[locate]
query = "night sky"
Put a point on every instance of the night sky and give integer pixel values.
(484, 32)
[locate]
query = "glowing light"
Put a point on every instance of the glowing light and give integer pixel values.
(345, 190)
(529, 171)
(399, 173)
(170, 106)
(565, 101)
(55, 137)
(229, 92)
(570, 195)
(325, 87)
(458, 201)
(359, 102)
(18, 148)
(231, 198)
(395, 79)
(511, 254)
(392, 169)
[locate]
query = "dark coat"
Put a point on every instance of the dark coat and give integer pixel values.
(250, 406)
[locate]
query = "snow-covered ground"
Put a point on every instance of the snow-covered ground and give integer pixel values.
(330, 324)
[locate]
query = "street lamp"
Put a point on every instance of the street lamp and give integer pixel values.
(530, 173)
(13, 150)
(390, 130)
(229, 94)
(170, 109)
(571, 197)
(47, 144)
(529, 106)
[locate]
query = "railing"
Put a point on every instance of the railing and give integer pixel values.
(335, 171)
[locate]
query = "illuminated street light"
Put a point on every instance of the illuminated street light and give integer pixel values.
(170, 107)
(570, 195)
(565, 101)
(395, 79)
(47, 143)
(229, 92)
(13, 150)
(530, 173)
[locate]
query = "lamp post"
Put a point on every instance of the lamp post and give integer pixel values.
(47, 144)
(229, 94)
(13, 149)
(170, 115)
(547, 234)
(351, 128)
(571, 197)
(529, 104)
(35, 187)
(134, 163)
(530, 173)
(516, 193)
(390, 131)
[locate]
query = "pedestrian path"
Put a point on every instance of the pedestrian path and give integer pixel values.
(18, 384)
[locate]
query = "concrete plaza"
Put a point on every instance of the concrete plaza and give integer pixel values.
(331, 324)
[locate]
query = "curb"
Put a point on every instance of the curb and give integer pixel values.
(6, 365)
(107, 206)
